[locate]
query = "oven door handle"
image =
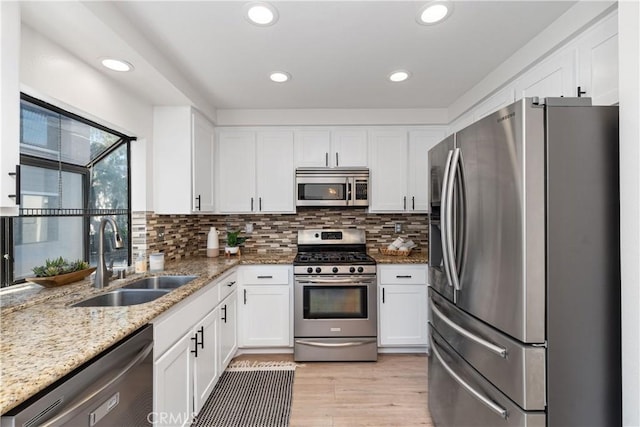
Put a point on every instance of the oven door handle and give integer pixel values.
(336, 281)
(335, 344)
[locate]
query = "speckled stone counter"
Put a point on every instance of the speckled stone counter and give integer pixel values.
(414, 258)
(43, 338)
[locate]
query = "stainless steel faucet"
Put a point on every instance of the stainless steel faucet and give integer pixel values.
(102, 272)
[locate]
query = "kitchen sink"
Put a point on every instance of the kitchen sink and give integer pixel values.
(160, 282)
(123, 297)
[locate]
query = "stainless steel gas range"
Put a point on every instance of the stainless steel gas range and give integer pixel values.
(335, 311)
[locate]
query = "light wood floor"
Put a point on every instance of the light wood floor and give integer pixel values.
(389, 392)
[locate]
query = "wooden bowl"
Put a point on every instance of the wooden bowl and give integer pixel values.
(61, 279)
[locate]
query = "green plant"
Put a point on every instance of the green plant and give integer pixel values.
(59, 266)
(233, 239)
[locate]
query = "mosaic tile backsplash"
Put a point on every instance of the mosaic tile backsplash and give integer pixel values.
(183, 236)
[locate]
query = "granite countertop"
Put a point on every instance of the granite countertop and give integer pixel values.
(43, 338)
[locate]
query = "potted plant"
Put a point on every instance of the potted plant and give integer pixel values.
(233, 242)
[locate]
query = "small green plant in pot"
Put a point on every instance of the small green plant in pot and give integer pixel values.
(233, 242)
(59, 266)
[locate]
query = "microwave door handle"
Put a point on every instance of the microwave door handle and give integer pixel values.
(349, 192)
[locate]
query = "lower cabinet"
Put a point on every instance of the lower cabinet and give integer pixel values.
(265, 306)
(402, 304)
(193, 343)
(228, 342)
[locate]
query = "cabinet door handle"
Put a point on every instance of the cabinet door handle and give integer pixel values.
(383, 295)
(408, 276)
(326, 159)
(265, 277)
(252, 204)
(224, 310)
(260, 204)
(404, 202)
(201, 332)
(581, 92)
(337, 162)
(198, 205)
(230, 284)
(245, 296)
(413, 202)
(16, 174)
(195, 344)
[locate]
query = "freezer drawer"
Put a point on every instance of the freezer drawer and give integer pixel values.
(458, 396)
(515, 368)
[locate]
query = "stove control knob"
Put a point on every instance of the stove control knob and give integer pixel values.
(335, 269)
(352, 269)
(318, 269)
(360, 269)
(309, 270)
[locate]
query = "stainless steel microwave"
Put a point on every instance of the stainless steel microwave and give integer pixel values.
(332, 187)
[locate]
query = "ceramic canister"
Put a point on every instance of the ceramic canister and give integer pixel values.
(213, 246)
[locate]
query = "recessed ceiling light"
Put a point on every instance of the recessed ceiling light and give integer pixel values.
(399, 76)
(260, 13)
(434, 12)
(280, 76)
(117, 64)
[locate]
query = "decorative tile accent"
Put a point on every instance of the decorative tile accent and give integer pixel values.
(186, 235)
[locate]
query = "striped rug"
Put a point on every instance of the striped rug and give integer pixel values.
(250, 394)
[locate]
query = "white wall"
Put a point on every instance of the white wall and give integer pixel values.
(629, 80)
(52, 74)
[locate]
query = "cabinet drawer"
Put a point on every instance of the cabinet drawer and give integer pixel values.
(227, 284)
(264, 275)
(403, 274)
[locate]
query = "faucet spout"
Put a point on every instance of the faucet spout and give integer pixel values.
(102, 272)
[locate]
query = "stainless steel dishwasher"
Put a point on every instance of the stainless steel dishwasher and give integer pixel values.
(113, 389)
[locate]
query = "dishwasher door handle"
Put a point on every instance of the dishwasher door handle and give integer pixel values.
(136, 361)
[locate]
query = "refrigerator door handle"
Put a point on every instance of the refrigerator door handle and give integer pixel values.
(500, 351)
(443, 223)
(448, 227)
(475, 393)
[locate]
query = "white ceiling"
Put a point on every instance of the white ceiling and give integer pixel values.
(339, 53)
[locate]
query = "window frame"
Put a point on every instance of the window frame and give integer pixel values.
(7, 243)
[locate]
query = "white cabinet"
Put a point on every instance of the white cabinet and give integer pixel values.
(192, 346)
(9, 105)
(398, 166)
(344, 147)
(183, 149)
(265, 306)
(205, 353)
(172, 385)
(402, 304)
(598, 62)
(255, 171)
(553, 77)
(228, 332)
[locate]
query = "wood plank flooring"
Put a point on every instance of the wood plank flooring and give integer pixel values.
(389, 392)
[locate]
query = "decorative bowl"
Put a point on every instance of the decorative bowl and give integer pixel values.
(61, 279)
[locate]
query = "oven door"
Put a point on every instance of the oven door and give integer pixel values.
(332, 306)
(323, 191)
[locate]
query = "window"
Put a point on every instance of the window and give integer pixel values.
(73, 172)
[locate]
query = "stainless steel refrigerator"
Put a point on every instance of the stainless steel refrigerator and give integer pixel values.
(524, 269)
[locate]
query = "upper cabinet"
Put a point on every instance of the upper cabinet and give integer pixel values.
(398, 163)
(183, 149)
(10, 107)
(331, 147)
(255, 171)
(554, 77)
